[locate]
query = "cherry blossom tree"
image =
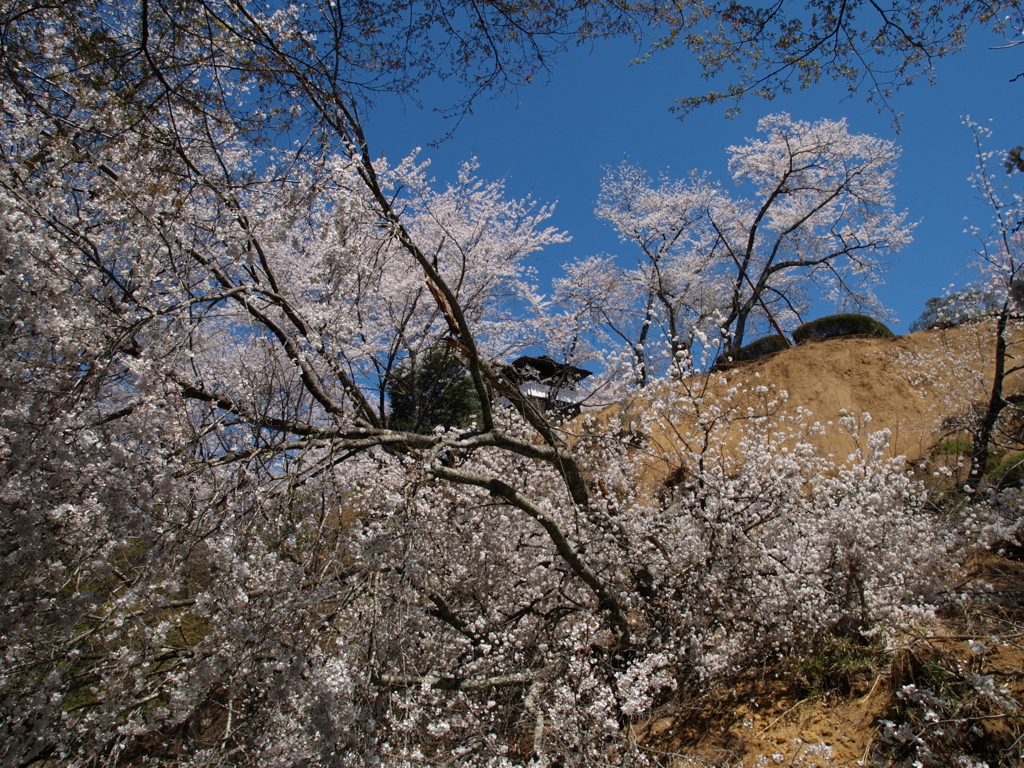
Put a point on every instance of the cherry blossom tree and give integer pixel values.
(1000, 258)
(822, 224)
(671, 294)
(217, 552)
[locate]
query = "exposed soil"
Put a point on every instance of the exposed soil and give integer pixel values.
(921, 388)
(769, 722)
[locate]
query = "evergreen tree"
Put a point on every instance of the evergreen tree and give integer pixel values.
(434, 391)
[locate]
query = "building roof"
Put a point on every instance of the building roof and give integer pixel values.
(544, 369)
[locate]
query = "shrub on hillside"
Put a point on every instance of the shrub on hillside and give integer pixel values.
(841, 325)
(955, 445)
(756, 349)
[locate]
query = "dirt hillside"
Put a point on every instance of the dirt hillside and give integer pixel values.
(919, 387)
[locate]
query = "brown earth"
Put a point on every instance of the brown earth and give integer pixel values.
(771, 724)
(769, 717)
(775, 727)
(920, 387)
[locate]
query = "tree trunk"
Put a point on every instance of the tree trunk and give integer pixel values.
(996, 403)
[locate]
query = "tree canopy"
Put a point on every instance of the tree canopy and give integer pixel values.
(874, 48)
(218, 551)
(821, 223)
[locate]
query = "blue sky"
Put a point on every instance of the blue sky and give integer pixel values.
(552, 139)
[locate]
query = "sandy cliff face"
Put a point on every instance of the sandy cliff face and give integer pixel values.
(918, 387)
(911, 385)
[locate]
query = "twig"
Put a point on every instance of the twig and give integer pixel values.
(773, 722)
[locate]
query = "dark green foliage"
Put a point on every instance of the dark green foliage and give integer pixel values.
(841, 325)
(955, 309)
(756, 349)
(1009, 471)
(955, 446)
(434, 391)
(1015, 160)
(840, 664)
